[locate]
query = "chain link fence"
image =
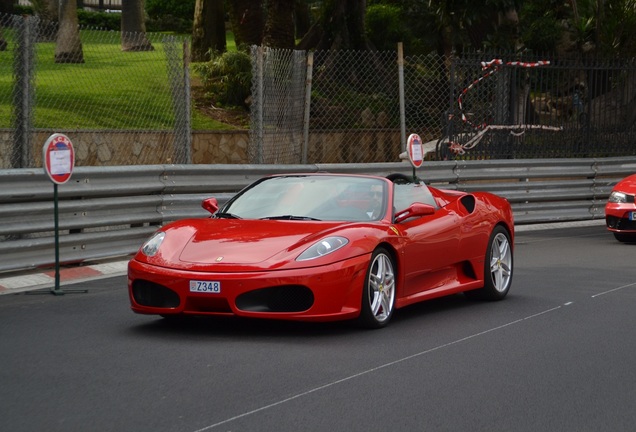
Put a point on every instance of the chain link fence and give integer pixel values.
(474, 106)
(141, 98)
(134, 107)
(528, 107)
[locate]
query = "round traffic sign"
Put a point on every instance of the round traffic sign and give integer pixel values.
(414, 150)
(59, 158)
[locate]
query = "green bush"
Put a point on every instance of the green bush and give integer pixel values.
(543, 34)
(384, 26)
(227, 78)
(170, 15)
(99, 20)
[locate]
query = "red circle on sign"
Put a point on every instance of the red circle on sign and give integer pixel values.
(58, 158)
(415, 150)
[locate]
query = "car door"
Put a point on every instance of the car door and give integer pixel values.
(430, 242)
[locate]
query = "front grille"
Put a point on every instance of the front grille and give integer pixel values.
(151, 294)
(620, 223)
(289, 298)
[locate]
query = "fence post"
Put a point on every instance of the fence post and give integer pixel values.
(24, 52)
(187, 123)
(310, 69)
(400, 62)
(259, 103)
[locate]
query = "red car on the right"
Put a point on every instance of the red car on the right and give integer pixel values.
(620, 210)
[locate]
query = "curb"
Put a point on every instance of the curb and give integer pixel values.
(46, 278)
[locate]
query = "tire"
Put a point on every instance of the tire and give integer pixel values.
(625, 238)
(498, 267)
(378, 294)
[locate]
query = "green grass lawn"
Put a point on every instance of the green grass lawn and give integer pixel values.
(112, 89)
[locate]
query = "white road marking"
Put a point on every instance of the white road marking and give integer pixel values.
(368, 371)
(615, 289)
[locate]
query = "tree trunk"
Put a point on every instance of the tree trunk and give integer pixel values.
(6, 7)
(340, 27)
(68, 47)
(133, 27)
(302, 18)
(208, 29)
(247, 21)
(279, 27)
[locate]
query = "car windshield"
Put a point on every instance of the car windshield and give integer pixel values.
(311, 197)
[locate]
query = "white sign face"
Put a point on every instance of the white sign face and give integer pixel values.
(60, 161)
(417, 153)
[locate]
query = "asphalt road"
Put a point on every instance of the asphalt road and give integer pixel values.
(557, 355)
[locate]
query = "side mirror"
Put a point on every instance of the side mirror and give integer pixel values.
(414, 210)
(210, 204)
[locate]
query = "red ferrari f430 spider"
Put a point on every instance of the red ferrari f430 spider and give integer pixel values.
(323, 247)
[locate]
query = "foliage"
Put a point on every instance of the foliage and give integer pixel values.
(409, 21)
(177, 8)
(383, 26)
(616, 30)
(227, 78)
(170, 15)
(99, 20)
(543, 34)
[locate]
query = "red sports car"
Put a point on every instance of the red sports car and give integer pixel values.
(620, 210)
(321, 247)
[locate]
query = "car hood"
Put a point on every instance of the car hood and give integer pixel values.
(628, 185)
(245, 242)
(233, 244)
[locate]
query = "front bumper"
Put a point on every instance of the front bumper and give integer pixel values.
(324, 293)
(617, 217)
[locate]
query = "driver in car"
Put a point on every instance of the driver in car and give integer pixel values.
(375, 202)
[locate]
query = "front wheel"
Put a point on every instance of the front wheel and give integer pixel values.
(625, 238)
(498, 267)
(378, 295)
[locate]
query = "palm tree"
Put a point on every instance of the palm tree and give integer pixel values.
(68, 47)
(341, 26)
(133, 27)
(208, 29)
(6, 7)
(279, 26)
(247, 21)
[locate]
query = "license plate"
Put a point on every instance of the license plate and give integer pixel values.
(632, 216)
(205, 286)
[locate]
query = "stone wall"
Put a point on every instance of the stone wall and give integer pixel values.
(114, 148)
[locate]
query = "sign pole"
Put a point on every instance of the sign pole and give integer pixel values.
(57, 290)
(58, 159)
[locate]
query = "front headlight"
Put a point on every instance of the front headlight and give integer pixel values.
(617, 197)
(322, 248)
(151, 246)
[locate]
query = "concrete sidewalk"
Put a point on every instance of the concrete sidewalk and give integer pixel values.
(31, 280)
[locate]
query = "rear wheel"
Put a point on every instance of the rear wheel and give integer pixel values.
(378, 295)
(498, 267)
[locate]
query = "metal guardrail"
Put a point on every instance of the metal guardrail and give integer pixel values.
(108, 212)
